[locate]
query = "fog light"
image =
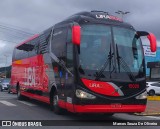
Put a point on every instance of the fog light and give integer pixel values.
(142, 96)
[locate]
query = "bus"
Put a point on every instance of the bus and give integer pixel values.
(92, 62)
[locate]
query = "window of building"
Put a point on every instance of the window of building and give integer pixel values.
(155, 73)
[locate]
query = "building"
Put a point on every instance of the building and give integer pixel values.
(152, 61)
(7, 70)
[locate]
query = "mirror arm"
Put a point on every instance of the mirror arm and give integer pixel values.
(142, 33)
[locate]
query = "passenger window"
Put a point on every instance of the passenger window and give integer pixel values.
(58, 48)
(59, 43)
(21, 52)
(33, 47)
(69, 51)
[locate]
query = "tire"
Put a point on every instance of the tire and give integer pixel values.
(151, 93)
(19, 96)
(1, 89)
(9, 91)
(108, 114)
(54, 105)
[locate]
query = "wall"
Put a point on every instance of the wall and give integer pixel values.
(150, 57)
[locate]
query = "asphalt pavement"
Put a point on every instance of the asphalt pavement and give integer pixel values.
(13, 109)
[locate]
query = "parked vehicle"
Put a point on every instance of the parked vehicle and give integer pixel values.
(1, 80)
(4, 84)
(153, 88)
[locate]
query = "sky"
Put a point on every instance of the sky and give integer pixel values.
(19, 19)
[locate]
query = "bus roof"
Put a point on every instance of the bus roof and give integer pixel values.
(93, 17)
(99, 15)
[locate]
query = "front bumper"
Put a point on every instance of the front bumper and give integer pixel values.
(109, 108)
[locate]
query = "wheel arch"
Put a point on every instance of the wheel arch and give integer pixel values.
(17, 86)
(152, 90)
(52, 92)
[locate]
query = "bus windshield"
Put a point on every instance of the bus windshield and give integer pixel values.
(101, 42)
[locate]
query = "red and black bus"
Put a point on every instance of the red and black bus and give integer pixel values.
(91, 62)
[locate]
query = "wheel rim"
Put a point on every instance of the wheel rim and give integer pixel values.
(151, 92)
(55, 100)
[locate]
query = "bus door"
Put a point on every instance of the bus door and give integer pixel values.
(58, 48)
(62, 83)
(69, 78)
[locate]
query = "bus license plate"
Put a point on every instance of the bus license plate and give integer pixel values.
(116, 105)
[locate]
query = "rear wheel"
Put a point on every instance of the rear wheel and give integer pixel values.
(151, 92)
(19, 96)
(9, 90)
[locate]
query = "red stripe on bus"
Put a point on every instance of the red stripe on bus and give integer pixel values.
(62, 104)
(37, 97)
(109, 108)
(100, 87)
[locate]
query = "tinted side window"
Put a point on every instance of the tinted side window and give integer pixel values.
(13, 55)
(156, 84)
(33, 47)
(58, 47)
(21, 52)
(69, 51)
(26, 50)
(59, 42)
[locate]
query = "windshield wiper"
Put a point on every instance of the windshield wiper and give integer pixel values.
(108, 61)
(121, 61)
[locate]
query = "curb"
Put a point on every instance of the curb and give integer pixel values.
(153, 98)
(147, 114)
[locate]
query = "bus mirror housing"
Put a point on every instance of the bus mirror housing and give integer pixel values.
(153, 43)
(152, 39)
(76, 34)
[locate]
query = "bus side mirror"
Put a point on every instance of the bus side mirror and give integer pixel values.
(153, 43)
(76, 34)
(152, 39)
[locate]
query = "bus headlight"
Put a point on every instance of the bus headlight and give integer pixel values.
(84, 95)
(142, 96)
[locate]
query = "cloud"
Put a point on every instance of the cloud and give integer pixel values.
(37, 15)
(2, 44)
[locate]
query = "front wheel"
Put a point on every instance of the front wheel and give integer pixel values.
(9, 90)
(54, 105)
